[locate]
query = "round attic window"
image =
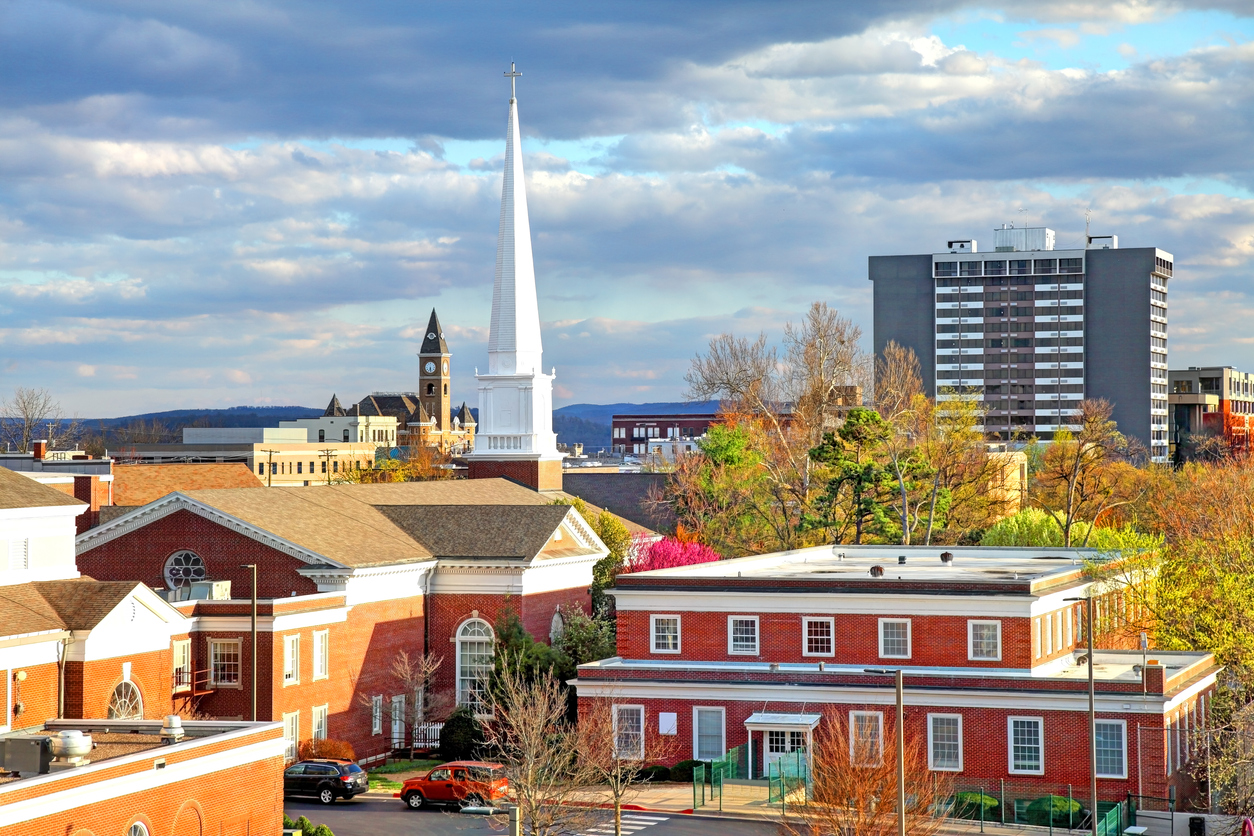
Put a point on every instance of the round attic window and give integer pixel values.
(183, 567)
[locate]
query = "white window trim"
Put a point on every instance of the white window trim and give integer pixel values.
(643, 729)
(853, 737)
(458, 640)
(679, 632)
(321, 654)
(723, 725)
(376, 714)
(757, 637)
(294, 741)
(805, 635)
(177, 648)
(930, 751)
(326, 721)
(239, 652)
(971, 640)
(1010, 745)
(1123, 737)
(909, 637)
(288, 642)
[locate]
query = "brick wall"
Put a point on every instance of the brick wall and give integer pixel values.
(141, 555)
(538, 609)
(541, 476)
(445, 614)
(935, 640)
(38, 695)
(984, 735)
(242, 800)
(89, 685)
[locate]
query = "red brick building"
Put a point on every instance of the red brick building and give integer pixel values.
(96, 657)
(763, 650)
(349, 576)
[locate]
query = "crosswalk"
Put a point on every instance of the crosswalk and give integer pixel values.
(632, 823)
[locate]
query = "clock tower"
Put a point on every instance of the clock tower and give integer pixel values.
(433, 374)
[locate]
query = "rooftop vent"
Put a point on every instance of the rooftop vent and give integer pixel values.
(1103, 242)
(963, 246)
(1025, 239)
(70, 749)
(171, 729)
(901, 559)
(877, 571)
(947, 558)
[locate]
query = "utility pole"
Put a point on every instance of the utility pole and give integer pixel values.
(253, 567)
(328, 455)
(269, 466)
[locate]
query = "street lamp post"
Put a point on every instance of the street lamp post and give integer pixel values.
(1088, 619)
(253, 567)
(901, 748)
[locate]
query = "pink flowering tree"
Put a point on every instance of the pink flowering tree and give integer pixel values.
(666, 554)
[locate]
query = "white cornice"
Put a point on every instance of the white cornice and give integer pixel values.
(167, 505)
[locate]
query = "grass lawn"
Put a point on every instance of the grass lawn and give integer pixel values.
(379, 776)
(379, 782)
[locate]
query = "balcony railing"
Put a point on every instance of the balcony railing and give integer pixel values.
(191, 683)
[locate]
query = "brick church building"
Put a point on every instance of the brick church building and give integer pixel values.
(760, 652)
(349, 576)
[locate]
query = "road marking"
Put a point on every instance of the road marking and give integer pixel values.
(632, 822)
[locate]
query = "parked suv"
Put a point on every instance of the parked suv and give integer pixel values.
(461, 783)
(326, 779)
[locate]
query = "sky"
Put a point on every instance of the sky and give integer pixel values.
(228, 202)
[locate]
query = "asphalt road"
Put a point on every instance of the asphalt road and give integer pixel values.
(387, 817)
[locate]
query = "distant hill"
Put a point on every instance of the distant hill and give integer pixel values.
(572, 430)
(601, 413)
(235, 416)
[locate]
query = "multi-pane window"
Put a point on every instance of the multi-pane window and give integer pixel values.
(182, 665)
(742, 634)
(895, 638)
(708, 744)
(291, 734)
(321, 654)
(629, 731)
(291, 660)
(376, 715)
(866, 739)
(819, 640)
(224, 662)
(665, 630)
(1111, 749)
(776, 742)
(474, 665)
(944, 736)
(1026, 755)
(320, 722)
(984, 640)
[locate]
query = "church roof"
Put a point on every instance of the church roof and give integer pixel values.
(334, 410)
(512, 532)
(399, 405)
(139, 484)
(433, 341)
(20, 491)
(71, 604)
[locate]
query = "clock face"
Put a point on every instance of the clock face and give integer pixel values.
(430, 367)
(446, 366)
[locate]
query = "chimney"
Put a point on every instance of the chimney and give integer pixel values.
(39, 449)
(947, 558)
(1155, 677)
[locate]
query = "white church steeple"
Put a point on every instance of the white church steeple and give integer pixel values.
(514, 341)
(515, 435)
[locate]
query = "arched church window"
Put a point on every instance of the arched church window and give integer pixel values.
(137, 829)
(557, 626)
(183, 567)
(474, 664)
(126, 703)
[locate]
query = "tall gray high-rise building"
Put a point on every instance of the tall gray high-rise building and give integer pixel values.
(1034, 330)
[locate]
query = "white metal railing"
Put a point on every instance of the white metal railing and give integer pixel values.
(505, 442)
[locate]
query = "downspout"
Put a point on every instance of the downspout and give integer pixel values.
(64, 648)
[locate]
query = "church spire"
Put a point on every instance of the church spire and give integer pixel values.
(514, 340)
(433, 340)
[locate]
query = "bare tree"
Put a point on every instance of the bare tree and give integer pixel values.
(1079, 478)
(898, 379)
(413, 676)
(855, 788)
(33, 414)
(531, 737)
(616, 755)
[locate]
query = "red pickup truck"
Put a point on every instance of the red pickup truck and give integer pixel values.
(461, 783)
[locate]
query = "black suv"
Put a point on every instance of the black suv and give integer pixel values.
(326, 779)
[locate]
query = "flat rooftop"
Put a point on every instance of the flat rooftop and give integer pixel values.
(1032, 567)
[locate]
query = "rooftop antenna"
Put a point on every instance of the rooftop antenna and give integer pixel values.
(1088, 213)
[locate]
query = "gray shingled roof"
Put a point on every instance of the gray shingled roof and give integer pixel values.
(18, 491)
(466, 531)
(78, 604)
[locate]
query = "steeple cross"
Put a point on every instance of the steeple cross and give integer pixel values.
(512, 75)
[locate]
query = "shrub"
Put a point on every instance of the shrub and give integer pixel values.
(682, 771)
(1064, 812)
(967, 806)
(657, 773)
(321, 830)
(667, 554)
(461, 736)
(326, 749)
